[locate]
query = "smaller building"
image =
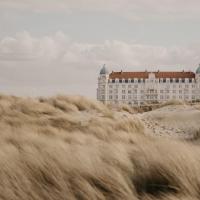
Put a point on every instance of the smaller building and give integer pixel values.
(137, 88)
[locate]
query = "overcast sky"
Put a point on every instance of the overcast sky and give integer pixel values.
(50, 47)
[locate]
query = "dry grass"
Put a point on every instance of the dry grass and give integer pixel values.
(173, 102)
(73, 148)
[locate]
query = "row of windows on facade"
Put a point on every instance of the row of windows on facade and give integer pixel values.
(123, 97)
(162, 80)
(152, 91)
(136, 86)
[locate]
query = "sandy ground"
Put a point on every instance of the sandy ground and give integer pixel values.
(176, 121)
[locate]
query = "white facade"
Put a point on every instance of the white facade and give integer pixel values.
(137, 88)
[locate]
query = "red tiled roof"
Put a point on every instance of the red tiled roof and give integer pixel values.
(145, 75)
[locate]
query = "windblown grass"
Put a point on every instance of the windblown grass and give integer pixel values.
(74, 148)
(173, 102)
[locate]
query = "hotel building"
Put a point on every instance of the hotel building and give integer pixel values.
(137, 88)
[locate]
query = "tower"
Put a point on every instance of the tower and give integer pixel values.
(102, 91)
(198, 82)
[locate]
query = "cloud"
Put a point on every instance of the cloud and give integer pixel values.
(55, 63)
(59, 48)
(25, 47)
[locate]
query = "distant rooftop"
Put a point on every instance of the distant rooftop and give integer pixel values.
(145, 75)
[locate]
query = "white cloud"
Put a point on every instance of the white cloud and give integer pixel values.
(59, 48)
(54, 63)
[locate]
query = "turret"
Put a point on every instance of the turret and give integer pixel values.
(198, 73)
(198, 82)
(198, 70)
(102, 84)
(104, 70)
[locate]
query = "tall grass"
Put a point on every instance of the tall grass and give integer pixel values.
(73, 148)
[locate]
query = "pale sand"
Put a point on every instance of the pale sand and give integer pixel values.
(176, 121)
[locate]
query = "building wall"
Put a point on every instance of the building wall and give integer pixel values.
(139, 91)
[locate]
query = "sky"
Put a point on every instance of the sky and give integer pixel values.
(50, 47)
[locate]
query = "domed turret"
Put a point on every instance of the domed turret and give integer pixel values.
(104, 70)
(198, 70)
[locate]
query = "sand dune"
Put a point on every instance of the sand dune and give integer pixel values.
(75, 148)
(176, 121)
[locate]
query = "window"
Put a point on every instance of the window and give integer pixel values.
(126, 81)
(183, 80)
(135, 97)
(110, 96)
(123, 86)
(129, 91)
(186, 97)
(123, 97)
(168, 86)
(113, 81)
(168, 80)
(129, 86)
(116, 96)
(110, 91)
(132, 80)
(110, 86)
(120, 81)
(123, 91)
